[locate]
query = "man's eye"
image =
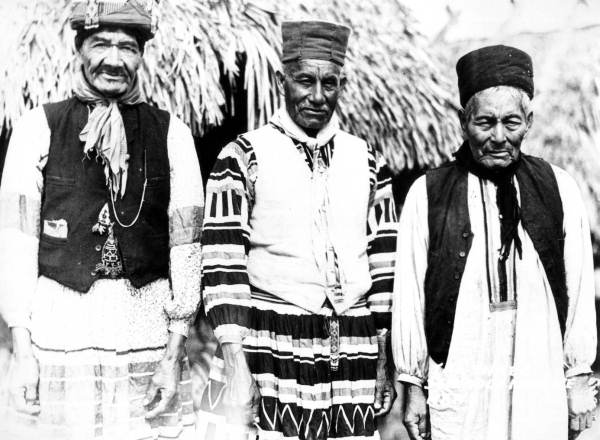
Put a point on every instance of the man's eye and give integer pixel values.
(129, 49)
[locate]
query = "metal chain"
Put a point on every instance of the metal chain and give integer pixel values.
(137, 216)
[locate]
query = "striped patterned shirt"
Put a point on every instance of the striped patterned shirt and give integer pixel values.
(226, 238)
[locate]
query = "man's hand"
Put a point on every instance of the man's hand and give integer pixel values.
(165, 381)
(24, 374)
(582, 402)
(384, 384)
(416, 417)
(242, 391)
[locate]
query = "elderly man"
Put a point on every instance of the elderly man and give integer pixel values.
(100, 217)
(298, 250)
(494, 305)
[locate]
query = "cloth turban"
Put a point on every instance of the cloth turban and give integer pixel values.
(494, 66)
(138, 15)
(319, 40)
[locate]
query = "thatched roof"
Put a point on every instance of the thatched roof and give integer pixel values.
(397, 97)
(566, 129)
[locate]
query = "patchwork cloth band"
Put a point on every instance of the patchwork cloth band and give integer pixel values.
(141, 15)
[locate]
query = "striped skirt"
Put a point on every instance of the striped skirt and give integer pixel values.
(97, 353)
(288, 350)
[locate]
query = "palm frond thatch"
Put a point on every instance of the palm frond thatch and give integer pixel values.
(396, 97)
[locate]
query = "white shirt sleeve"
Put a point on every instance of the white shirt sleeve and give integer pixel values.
(20, 204)
(185, 223)
(580, 334)
(409, 345)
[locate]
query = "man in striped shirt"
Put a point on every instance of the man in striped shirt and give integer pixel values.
(298, 261)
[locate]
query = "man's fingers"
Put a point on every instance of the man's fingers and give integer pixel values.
(412, 429)
(423, 428)
(574, 424)
(23, 405)
(163, 404)
(387, 401)
(254, 405)
(151, 393)
(386, 404)
(588, 420)
(31, 393)
(378, 398)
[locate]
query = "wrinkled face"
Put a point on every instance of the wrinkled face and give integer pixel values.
(495, 124)
(312, 89)
(110, 60)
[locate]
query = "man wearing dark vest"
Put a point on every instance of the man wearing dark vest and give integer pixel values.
(494, 297)
(298, 251)
(100, 214)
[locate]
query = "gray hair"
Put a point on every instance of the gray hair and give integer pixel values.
(524, 98)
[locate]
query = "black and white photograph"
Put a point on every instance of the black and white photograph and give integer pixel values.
(299, 220)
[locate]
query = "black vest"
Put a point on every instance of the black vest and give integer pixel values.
(75, 191)
(450, 239)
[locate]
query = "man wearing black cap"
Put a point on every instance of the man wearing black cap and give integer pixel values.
(298, 254)
(100, 213)
(494, 298)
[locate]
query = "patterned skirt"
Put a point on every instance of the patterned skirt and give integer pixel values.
(302, 396)
(97, 353)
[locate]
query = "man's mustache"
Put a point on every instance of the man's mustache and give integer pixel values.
(113, 71)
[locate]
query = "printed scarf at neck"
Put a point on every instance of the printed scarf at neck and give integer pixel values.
(506, 196)
(105, 131)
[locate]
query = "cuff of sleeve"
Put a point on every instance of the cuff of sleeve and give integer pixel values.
(413, 380)
(578, 370)
(382, 332)
(23, 322)
(230, 333)
(180, 326)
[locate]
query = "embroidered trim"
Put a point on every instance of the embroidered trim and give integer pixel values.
(92, 15)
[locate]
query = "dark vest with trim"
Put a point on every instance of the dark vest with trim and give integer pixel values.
(450, 239)
(75, 191)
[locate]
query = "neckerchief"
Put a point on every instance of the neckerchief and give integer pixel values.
(105, 131)
(282, 120)
(506, 196)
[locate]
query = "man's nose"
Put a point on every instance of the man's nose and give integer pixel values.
(498, 134)
(113, 57)
(317, 96)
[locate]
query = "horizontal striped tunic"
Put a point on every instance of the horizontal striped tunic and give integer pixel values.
(288, 347)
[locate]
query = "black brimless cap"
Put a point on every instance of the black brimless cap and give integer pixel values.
(493, 66)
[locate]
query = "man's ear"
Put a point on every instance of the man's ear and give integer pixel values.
(343, 82)
(462, 117)
(280, 80)
(529, 120)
